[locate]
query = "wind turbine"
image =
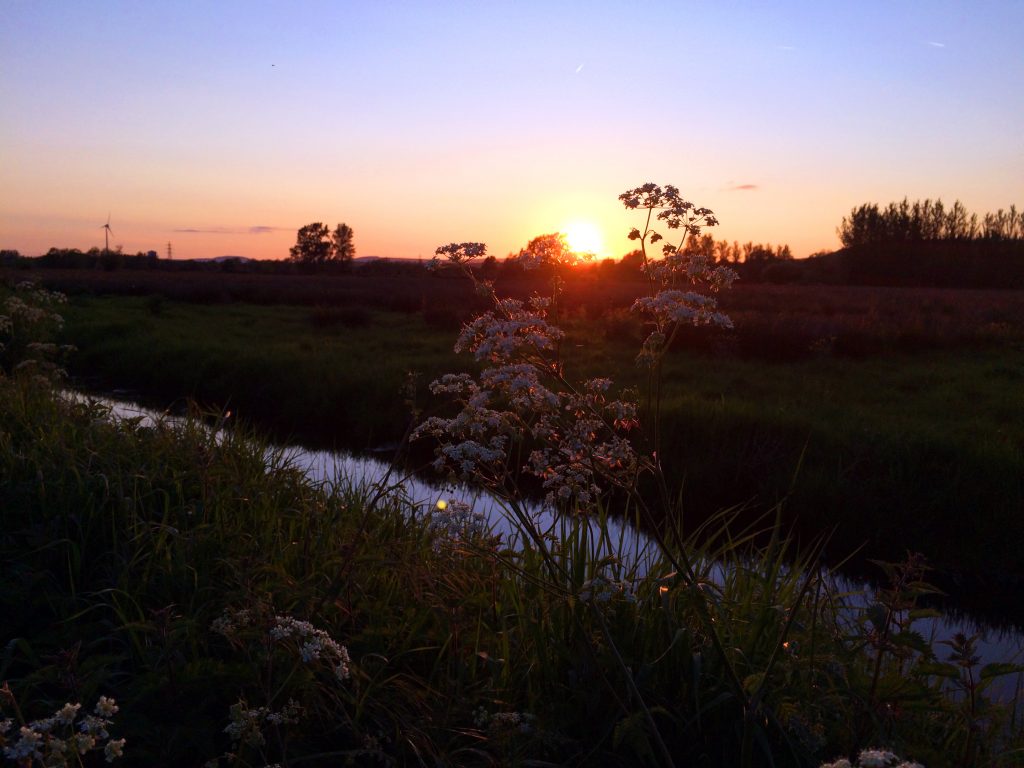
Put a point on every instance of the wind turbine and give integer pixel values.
(107, 232)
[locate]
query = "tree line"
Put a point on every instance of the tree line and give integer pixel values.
(907, 222)
(928, 243)
(734, 253)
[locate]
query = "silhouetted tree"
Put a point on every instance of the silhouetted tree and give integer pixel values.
(701, 245)
(489, 265)
(312, 244)
(632, 261)
(906, 222)
(549, 249)
(343, 249)
(1003, 225)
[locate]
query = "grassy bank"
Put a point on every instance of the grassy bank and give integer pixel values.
(316, 375)
(175, 572)
(898, 450)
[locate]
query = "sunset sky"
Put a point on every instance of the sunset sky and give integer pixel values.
(224, 127)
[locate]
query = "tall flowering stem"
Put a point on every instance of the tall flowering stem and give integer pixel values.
(521, 415)
(681, 286)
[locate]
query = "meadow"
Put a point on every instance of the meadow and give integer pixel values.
(218, 608)
(885, 417)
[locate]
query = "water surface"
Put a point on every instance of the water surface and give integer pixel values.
(993, 644)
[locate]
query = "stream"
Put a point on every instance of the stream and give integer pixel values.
(993, 644)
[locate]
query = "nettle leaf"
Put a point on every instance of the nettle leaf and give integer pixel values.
(913, 640)
(938, 668)
(878, 616)
(889, 569)
(997, 669)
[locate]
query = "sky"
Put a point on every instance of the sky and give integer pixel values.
(221, 128)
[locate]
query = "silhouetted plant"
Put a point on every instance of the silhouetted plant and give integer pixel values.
(574, 438)
(312, 244)
(343, 248)
(29, 324)
(869, 224)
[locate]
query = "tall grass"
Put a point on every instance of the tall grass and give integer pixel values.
(241, 614)
(123, 544)
(881, 442)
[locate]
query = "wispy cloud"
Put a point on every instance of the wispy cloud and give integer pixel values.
(786, 47)
(934, 44)
(579, 69)
(743, 187)
(254, 230)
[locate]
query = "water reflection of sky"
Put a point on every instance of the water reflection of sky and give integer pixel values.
(993, 645)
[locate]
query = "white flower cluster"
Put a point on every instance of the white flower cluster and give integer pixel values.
(580, 446)
(508, 332)
(247, 722)
(59, 740)
(873, 758)
(503, 721)
(473, 459)
(31, 305)
(231, 621)
(579, 434)
(456, 521)
(482, 432)
(460, 253)
(672, 306)
(312, 643)
(680, 267)
(28, 318)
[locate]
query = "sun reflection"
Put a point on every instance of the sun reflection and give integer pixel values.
(584, 237)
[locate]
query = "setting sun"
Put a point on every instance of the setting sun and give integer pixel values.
(584, 237)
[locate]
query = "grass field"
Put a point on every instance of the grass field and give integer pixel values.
(242, 615)
(914, 442)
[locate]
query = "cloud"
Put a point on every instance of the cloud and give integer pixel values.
(786, 47)
(579, 69)
(743, 187)
(255, 230)
(934, 44)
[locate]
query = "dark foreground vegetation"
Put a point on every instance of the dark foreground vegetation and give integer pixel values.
(888, 417)
(241, 615)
